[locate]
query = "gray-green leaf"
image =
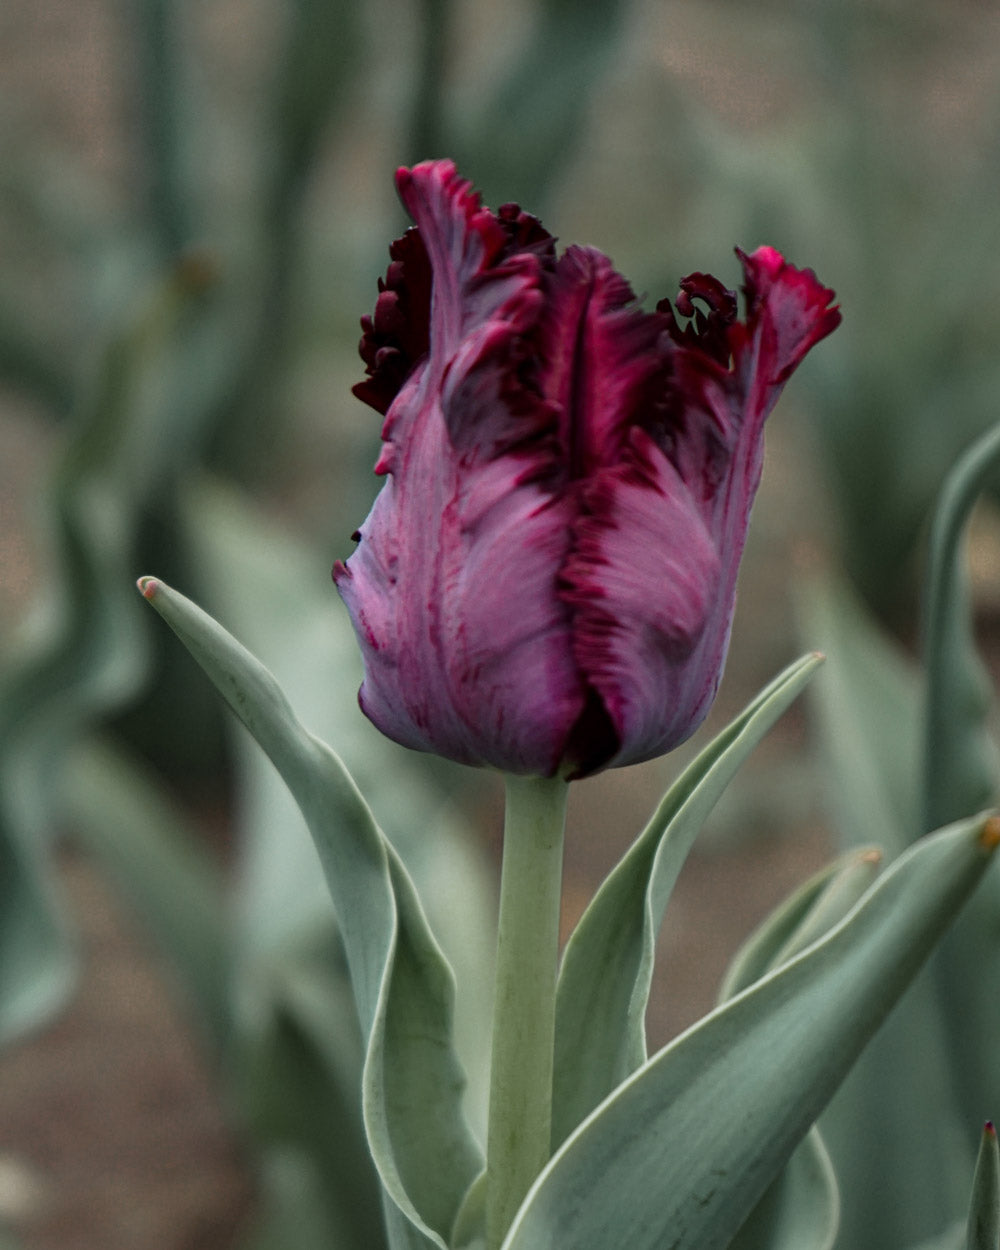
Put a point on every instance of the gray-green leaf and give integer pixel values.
(403, 987)
(681, 1152)
(607, 967)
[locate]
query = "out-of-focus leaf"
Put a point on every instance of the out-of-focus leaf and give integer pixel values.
(868, 709)
(25, 363)
(164, 872)
(953, 1238)
(961, 772)
(318, 53)
(961, 767)
(684, 1149)
(301, 1065)
(608, 963)
(526, 132)
(162, 87)
(427, 113)
(984, 1207)
(402, 985)
(294, 1206)
(37, 962)
(83, 652)
(867, 704)
(320, 57)
(801, 1208)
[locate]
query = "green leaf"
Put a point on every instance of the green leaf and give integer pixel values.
(961, 768)
(294, 1207)
(402, 985)
(164, 872)
(801, 1208)
(984, 1209)
(301, 1070)
(953, 1238)
(543, 100)
(868, 708)
(276, 590)
(809, 912)
(682, 1151)
(607, 967)
(83, 654)
(36, 954)
(961, 773)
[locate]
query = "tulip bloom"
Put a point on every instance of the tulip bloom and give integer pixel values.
(546, 580)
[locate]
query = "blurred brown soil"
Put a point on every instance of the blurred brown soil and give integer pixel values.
(112, 1132)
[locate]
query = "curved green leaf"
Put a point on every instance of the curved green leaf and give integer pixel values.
(868, 706)
(276, 588)
(801, 1208)
(402, 985)
(868, 711)
(808, 912)
(961, 774)
(984, 1209)
(684, 1149)
(163, 870)
(607, 967)
(961, 769)
(953, 1238)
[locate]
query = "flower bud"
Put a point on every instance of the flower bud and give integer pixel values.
(546, 580)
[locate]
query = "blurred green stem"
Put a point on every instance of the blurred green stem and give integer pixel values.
(427, 113)
(520, 1112)
(160, 82)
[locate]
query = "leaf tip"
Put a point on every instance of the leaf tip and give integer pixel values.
(989, 835)
(148, 586)
(989, 1129)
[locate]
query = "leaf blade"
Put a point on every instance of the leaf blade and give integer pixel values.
(402, 985)
(606, 973)
(762, 1065)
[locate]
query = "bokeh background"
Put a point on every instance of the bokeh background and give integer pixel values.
(195, 204)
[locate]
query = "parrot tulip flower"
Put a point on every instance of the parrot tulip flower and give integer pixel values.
(545, 583)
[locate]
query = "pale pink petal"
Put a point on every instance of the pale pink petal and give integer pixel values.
(642, 580)
(453, 586)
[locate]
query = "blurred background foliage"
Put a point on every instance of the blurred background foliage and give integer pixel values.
(195, 203)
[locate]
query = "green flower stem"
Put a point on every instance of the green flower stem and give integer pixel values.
(520, 1112)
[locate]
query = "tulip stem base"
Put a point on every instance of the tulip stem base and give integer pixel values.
(520, 1112)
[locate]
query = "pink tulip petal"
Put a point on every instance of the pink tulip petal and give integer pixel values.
(546, 580)
(641, 580)
(452, 588)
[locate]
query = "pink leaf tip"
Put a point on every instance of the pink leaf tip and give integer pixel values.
(148, 586)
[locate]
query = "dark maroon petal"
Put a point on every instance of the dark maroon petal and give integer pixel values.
(526, 233)
(709, 325)
(789, 306)
(486, 299)
(602, 360)
(398, 335)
